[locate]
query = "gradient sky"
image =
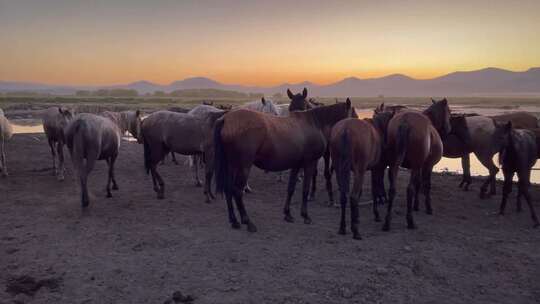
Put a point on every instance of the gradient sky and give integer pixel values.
(261, 42)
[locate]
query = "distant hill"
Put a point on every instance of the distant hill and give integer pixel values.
(484, 82)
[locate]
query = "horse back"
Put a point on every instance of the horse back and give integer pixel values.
(415, 131)
(520, 120)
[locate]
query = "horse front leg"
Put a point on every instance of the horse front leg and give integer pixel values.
(466, 166)
(53, 153)
(507, 189)
(61, 164)
(328, 177)
(293, 178)
(524, 184)
(309, 171)
(159, 185)
(392, 175)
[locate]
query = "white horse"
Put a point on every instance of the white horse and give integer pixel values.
(55, 120)
(6, 132)
(263, 105)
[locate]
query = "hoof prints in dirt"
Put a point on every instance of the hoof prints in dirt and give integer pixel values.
(178, 297)
(29, 286)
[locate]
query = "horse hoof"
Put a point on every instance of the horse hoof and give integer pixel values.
(251, 227)
(198, 184)
(60, 178)
(386, 227)
(356, 236)
(411, 226)
(342, 231)
(235, 225)
(416, 208)
(160, 196)
(377, 219)
(429, 211)
(289, 218)
(115, 187)
(307, 220)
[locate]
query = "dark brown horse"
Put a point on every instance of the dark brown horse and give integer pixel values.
(458, 144)
(520, 120)
(357, 146)
(520, 150)
(243, 138)
(413, 141)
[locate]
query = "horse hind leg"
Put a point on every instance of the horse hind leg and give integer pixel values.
(3, 165)
(490, 181)
(196, 160)
(355, 197)
(411, 192)
(426, 186)
(159, 185)
(466, 178)
(328, 177)
(238, 194)
(417, 192)
(507, 189)
(61, 164)
(392, 175)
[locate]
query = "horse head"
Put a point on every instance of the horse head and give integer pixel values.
(298, 101)
(439, 114)
(268, 106)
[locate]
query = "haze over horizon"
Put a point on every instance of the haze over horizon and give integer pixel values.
(261, 43)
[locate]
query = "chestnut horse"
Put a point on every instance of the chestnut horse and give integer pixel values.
(520, 150)
(243, 138)
(357, 145)
(413, 141)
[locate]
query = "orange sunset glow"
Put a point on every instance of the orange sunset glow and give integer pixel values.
(261, 42)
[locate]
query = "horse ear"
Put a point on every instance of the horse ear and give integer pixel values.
(263, 101)
(60, 110)
(444, 101)
(348, 102)
(433, 100)
(290, 94)
(304, 93)
(137, 113)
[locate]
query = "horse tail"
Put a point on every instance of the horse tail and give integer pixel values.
(345, 164)
(220, 159)
(402, 141)
(506, 149)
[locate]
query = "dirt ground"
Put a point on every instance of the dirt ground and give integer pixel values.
(134, 248)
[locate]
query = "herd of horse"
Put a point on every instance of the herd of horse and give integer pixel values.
(294, 137)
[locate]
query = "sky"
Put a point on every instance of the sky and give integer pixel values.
(252, 42)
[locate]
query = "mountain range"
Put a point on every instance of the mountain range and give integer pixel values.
(484, 82)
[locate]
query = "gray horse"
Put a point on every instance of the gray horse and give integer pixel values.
(264, 105)
(90, 137)
(165, 131)
(6, 131)
(55, 120)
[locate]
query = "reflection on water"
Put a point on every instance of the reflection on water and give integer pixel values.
(21, 126)
(454, 165)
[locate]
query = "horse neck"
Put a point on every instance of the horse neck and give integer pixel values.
(322, 117)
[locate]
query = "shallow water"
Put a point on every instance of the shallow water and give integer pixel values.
(22, 126)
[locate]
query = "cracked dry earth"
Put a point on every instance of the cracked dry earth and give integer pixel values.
(134, 248)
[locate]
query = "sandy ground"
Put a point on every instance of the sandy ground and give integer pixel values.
(134, 248)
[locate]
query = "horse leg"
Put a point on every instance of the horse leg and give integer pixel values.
(377, 184)
(392, 175)
(507, 189)
(311, 196)
(416, 205)
(53, 153)
(238, 193)
(111, 172)
(414, 180)
(61, 165)
(426, 185)
(3, 164)
(466, 166)
(84, 172)
(309, 171)
(293, 178)
(109, 177)
(355, 197)
(208, 173)
(173, 156)
(487, 161)
(524, 183)
(159, 186)
(328, 177)
(196, 160)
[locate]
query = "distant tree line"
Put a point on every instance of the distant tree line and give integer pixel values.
(107, 93)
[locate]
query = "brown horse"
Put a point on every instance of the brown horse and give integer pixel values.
(458, 144)
(520, 150)
(520, 120)
(299, 103)
(357, 146)
(413, 141)
(244, 138)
